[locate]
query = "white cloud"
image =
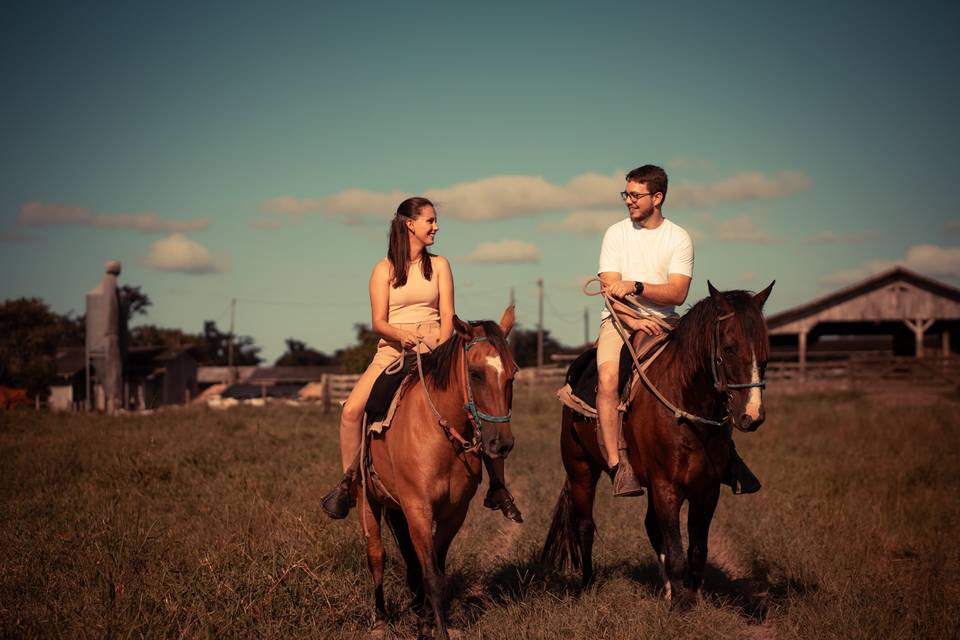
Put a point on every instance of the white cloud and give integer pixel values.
(929, 259)
(742, 187)
(267, 223)
(504, 251)
(585, 222)
(41, 214)
(854, 237)
(512, 196)
(742, 229)
(180, 253)
(14, 237)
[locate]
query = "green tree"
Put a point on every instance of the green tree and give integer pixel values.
(298, 354)
(215, 347)
(30, 335)
(133, 301)
(354, 359)
(150, 335)
(525, 346)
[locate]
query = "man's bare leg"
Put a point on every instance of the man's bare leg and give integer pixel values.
(607, 402)
(625, 482)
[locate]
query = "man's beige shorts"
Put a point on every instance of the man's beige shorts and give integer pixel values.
(609, 342)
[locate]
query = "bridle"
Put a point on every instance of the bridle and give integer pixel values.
(716, 367)
(474, 414)
(716, 364)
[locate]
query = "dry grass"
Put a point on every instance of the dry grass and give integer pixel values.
(195, 523)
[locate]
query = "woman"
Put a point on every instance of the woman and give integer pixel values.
(411, 301)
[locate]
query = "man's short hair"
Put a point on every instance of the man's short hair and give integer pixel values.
(651, 175)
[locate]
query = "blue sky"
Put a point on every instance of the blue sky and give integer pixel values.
(225, 151)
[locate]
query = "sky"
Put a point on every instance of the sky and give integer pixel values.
(258, 151)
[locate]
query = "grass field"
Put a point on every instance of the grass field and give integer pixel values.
(196, 523)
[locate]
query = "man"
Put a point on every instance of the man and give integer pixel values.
(651, 258)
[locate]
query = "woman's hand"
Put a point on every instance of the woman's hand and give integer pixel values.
(408, 339)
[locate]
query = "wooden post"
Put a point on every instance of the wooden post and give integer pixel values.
(919, 327)
(325, 381)
(803, 354)
(945, 343)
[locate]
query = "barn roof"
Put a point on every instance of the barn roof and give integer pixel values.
(931, 298)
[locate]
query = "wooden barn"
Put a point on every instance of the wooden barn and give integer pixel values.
(893, 316)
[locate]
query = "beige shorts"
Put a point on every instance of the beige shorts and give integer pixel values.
(388, 351)
(609, 342)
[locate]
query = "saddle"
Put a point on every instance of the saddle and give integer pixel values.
(579, 392)
(381, 405)
(386, 393)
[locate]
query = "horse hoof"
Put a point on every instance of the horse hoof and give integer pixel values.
(380, 631)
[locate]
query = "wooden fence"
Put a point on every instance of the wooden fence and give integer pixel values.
(845, 373)
(865, 371)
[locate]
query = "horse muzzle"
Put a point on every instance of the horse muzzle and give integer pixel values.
(748, 424)
(498, 447)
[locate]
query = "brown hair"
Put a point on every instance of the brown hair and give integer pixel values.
(398, 249)
(653, 176)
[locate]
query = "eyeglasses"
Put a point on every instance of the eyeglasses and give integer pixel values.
(632, 196)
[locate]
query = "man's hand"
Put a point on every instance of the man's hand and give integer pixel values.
(621, 288)
(649, 327)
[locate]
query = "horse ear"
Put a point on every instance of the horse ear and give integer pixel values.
(462, 328)
(507, 320)
(761, 297)
(717, 297)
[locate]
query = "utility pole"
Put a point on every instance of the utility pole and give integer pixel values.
(511, 339)
(233, 370)
(586, 325)
(540, 325)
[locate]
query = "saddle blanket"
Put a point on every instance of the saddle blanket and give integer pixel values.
(580, 389)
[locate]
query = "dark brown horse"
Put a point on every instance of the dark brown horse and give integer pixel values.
(712, 368)
(429, 460)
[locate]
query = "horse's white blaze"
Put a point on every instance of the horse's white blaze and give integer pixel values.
(755, 401)
(495, 363)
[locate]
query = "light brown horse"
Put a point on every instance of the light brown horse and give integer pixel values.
(712, 368)
(429, 466)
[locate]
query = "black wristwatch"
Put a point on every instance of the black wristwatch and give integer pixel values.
(638, 288)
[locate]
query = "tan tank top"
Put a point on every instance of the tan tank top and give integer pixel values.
(416, 301)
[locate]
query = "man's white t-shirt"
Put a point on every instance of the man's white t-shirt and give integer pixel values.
(646, 255)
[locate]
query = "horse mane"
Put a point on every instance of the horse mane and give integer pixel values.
(694, 334)
(438, 364)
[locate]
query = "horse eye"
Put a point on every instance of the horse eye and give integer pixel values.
(476, 375)
(730, 348)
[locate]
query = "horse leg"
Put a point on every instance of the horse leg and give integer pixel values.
(398, 524)
(667, 502)
(698, 529)
(370, 513)
(420, 522)
(446, 532)
(655, 536)
(583, 485)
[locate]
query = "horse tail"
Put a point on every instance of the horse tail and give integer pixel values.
(563, 539)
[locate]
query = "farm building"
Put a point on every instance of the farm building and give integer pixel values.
(152, 377)
(895, 314)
